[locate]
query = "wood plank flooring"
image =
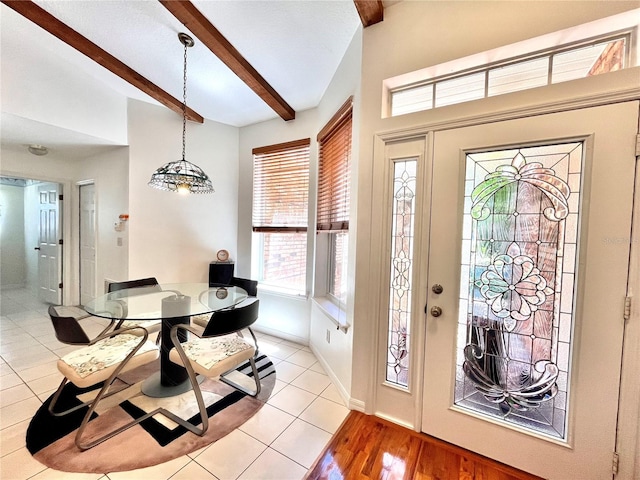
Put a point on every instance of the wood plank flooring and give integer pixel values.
(367, 447)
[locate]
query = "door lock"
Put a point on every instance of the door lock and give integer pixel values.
(436, 311)
(437, 288)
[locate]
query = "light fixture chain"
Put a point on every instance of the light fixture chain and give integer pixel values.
(184, 103)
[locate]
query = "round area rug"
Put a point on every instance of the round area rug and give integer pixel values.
(155, 440)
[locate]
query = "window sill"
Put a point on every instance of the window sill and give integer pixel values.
(282, 292)
(333, 312)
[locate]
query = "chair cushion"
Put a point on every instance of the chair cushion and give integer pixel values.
(93, 364)
(214, 356)
(150, 325)
(201, 320)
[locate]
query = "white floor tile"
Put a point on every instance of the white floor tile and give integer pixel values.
(156, 472)
(272, 465)
(14, 395)
(14, 437)
(231, 455)
(193, 471)
(276, 350)
(17, 412)
(32, 373)
(297, 346)
(51, 474)
(302, 442)
(316, 367)
(9, 380)
(45, 384)
(292, 400)
(19, 465)
(288, 372)
(267, 424)
(311, 382)
(304, 359)
(325, 414)
(332, 393)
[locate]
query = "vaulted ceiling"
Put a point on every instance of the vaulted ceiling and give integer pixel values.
(252, 61)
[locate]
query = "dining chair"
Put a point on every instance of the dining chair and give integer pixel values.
(99, 360)
(216, 352)
(251, 287)
(151, 284)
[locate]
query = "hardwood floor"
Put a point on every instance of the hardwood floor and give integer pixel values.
(367, 447)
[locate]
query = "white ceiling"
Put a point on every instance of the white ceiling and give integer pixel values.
(296, 45)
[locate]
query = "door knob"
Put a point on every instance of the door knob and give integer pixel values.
(436, 311)
(437, 288)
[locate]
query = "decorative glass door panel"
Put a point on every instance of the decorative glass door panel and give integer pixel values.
(522, 357)
(517, 281)
(403, 212)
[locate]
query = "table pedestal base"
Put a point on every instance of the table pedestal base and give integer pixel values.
(152, 387)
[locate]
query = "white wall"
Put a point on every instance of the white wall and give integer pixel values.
(416, 35)
(12, 243)
(336, 355)
(174, 237)
(291, 317)
(109, 172)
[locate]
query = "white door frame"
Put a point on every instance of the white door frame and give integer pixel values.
(629, 414)
(628, 439)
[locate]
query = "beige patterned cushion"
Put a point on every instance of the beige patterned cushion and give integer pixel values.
(201, 320)
(150, 325)
(216, 355)
(90, 365)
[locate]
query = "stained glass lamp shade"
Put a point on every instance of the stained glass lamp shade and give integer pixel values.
(182, 177)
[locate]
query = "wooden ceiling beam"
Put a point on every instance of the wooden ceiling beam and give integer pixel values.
(55, 27)
(370, 11)
(209, 35)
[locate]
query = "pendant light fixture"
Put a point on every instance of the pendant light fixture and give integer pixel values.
(182, 176)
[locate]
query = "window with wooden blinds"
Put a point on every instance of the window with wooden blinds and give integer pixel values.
(281, 187)
(333, 176)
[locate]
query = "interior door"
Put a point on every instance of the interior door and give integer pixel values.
(530, 229)
(49, 243)
(87, 243)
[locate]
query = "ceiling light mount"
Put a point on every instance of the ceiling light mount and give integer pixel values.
(182, 176)
(38, 150)
(186, 39)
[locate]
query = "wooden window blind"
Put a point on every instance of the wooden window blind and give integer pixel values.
(281, 187)
(333, 176)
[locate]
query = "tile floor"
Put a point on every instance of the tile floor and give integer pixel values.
(280, 442)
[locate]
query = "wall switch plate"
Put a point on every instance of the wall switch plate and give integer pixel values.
(119, 241)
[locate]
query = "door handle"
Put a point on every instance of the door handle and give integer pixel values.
(36, 248)
(435, 311)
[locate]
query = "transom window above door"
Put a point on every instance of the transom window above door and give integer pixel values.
(600, 47)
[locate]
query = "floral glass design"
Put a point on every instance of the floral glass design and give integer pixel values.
(402, 235)
(519, 250)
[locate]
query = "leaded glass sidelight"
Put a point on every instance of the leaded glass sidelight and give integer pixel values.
(519, 248)
(402, 235)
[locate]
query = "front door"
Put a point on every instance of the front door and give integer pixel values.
(49, 244)
(530, 228)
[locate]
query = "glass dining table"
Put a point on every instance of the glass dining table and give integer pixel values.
(172, 303)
